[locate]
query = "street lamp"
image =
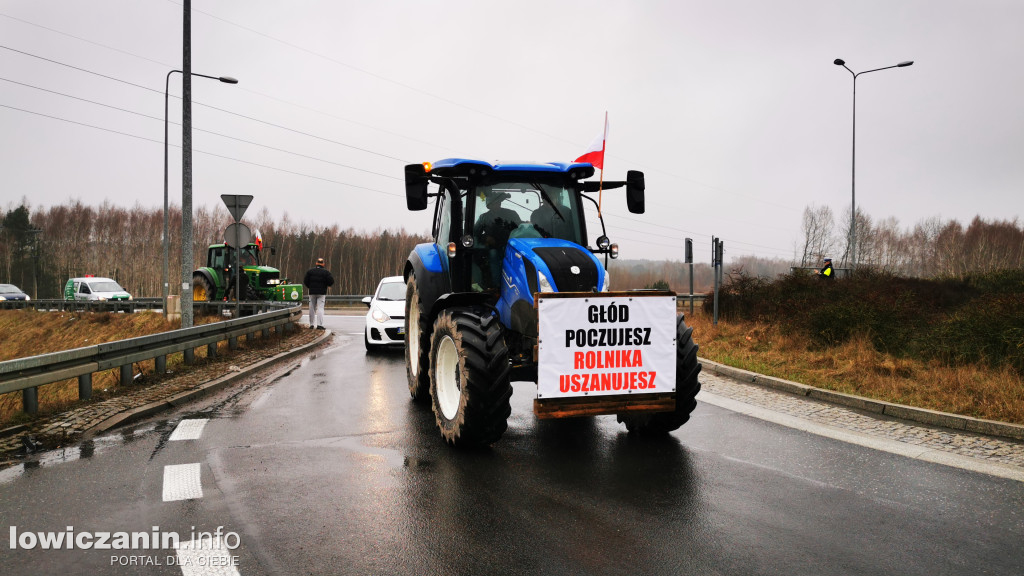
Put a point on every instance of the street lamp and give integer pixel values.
(167, 82)
(853, 163)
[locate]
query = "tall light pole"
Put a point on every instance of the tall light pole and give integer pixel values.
(853, 163)
(167, 83)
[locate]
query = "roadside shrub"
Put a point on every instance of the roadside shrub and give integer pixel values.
(977, 319)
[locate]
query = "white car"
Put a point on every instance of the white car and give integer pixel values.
(385, 321)
(94, 288)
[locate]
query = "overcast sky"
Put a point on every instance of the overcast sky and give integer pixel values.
(733, 109)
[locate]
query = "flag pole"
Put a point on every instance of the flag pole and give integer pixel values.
(604, 144)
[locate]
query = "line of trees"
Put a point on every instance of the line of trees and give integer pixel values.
(930, 249)
(41, 249)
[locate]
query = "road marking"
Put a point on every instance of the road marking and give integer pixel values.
(182, 482)
(205, 556)
(189, 429)
(861, 439)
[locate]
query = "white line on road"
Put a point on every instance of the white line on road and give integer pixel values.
(862, 439)
(189, 429)
(182, 482)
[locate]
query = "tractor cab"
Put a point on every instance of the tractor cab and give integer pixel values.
(481, 207)
(222, 256)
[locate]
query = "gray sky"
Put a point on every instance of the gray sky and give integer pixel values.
(733, 109)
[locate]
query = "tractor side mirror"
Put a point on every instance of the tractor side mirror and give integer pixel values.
(273, 251)
(635, 191)
(416, 181)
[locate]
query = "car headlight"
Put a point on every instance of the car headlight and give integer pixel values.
(380, 316)
(101, 299)
(607, 281)
(129, 296)
(27, 298)
(545, 284)
(2, 299)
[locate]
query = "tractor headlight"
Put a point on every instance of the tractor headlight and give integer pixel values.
(380, 316)
(273, 282)
(607, 281)
(545, 284)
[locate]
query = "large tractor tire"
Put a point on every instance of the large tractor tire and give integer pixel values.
(469, 378)
(687, 387)
(202, 289)
(417, 344)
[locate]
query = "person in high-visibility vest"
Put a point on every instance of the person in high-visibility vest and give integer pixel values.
(826, 271)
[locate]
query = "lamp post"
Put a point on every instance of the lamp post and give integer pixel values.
(853, 163)
(167, 82)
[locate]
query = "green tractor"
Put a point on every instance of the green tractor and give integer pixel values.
(217, 280)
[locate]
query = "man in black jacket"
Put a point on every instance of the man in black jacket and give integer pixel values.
(317, 280)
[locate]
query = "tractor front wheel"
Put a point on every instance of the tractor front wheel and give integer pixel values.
(469, 378)
(687, 387)
(202, 289)
(417, 344)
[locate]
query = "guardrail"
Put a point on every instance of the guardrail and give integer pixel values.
(217, 308)
(27, 374)
(212, 308)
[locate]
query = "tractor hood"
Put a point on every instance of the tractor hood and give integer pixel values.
(566, 266)
(260, 269)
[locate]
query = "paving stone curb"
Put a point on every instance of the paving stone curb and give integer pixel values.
(146, 410)
(921, 415)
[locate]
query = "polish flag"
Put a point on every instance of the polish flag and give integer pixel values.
(595, 152)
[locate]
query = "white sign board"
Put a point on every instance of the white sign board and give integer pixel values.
(606, 346)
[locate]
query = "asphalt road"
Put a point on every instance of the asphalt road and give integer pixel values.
(330, 469)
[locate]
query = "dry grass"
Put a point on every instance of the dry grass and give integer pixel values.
(857, 368)
(29, 333)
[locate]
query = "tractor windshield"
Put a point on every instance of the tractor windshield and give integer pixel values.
(504, 210)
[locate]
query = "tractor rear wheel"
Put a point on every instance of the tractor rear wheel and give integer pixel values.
(417, 344)
(202, 289)
(687, 387)
(469, 378)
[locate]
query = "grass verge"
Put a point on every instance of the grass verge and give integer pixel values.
(29, 333)
(857, 367)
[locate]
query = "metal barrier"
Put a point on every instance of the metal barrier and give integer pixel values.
(216, 308)
(27, 374)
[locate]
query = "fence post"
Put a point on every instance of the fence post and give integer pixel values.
(126, 375)
(160, 364)
(85, 386)
(30, 400)
(190, 356)
(233, 343)
(211, 350)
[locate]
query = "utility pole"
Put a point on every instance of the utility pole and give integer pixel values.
(186, 167)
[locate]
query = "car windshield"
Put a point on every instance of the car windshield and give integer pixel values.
(109, 286)
(9, 289)
(391, 291)
(526, 209)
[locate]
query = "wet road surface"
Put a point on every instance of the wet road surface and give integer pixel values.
(330, 469)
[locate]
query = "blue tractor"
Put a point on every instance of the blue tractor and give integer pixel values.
(511, 290)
